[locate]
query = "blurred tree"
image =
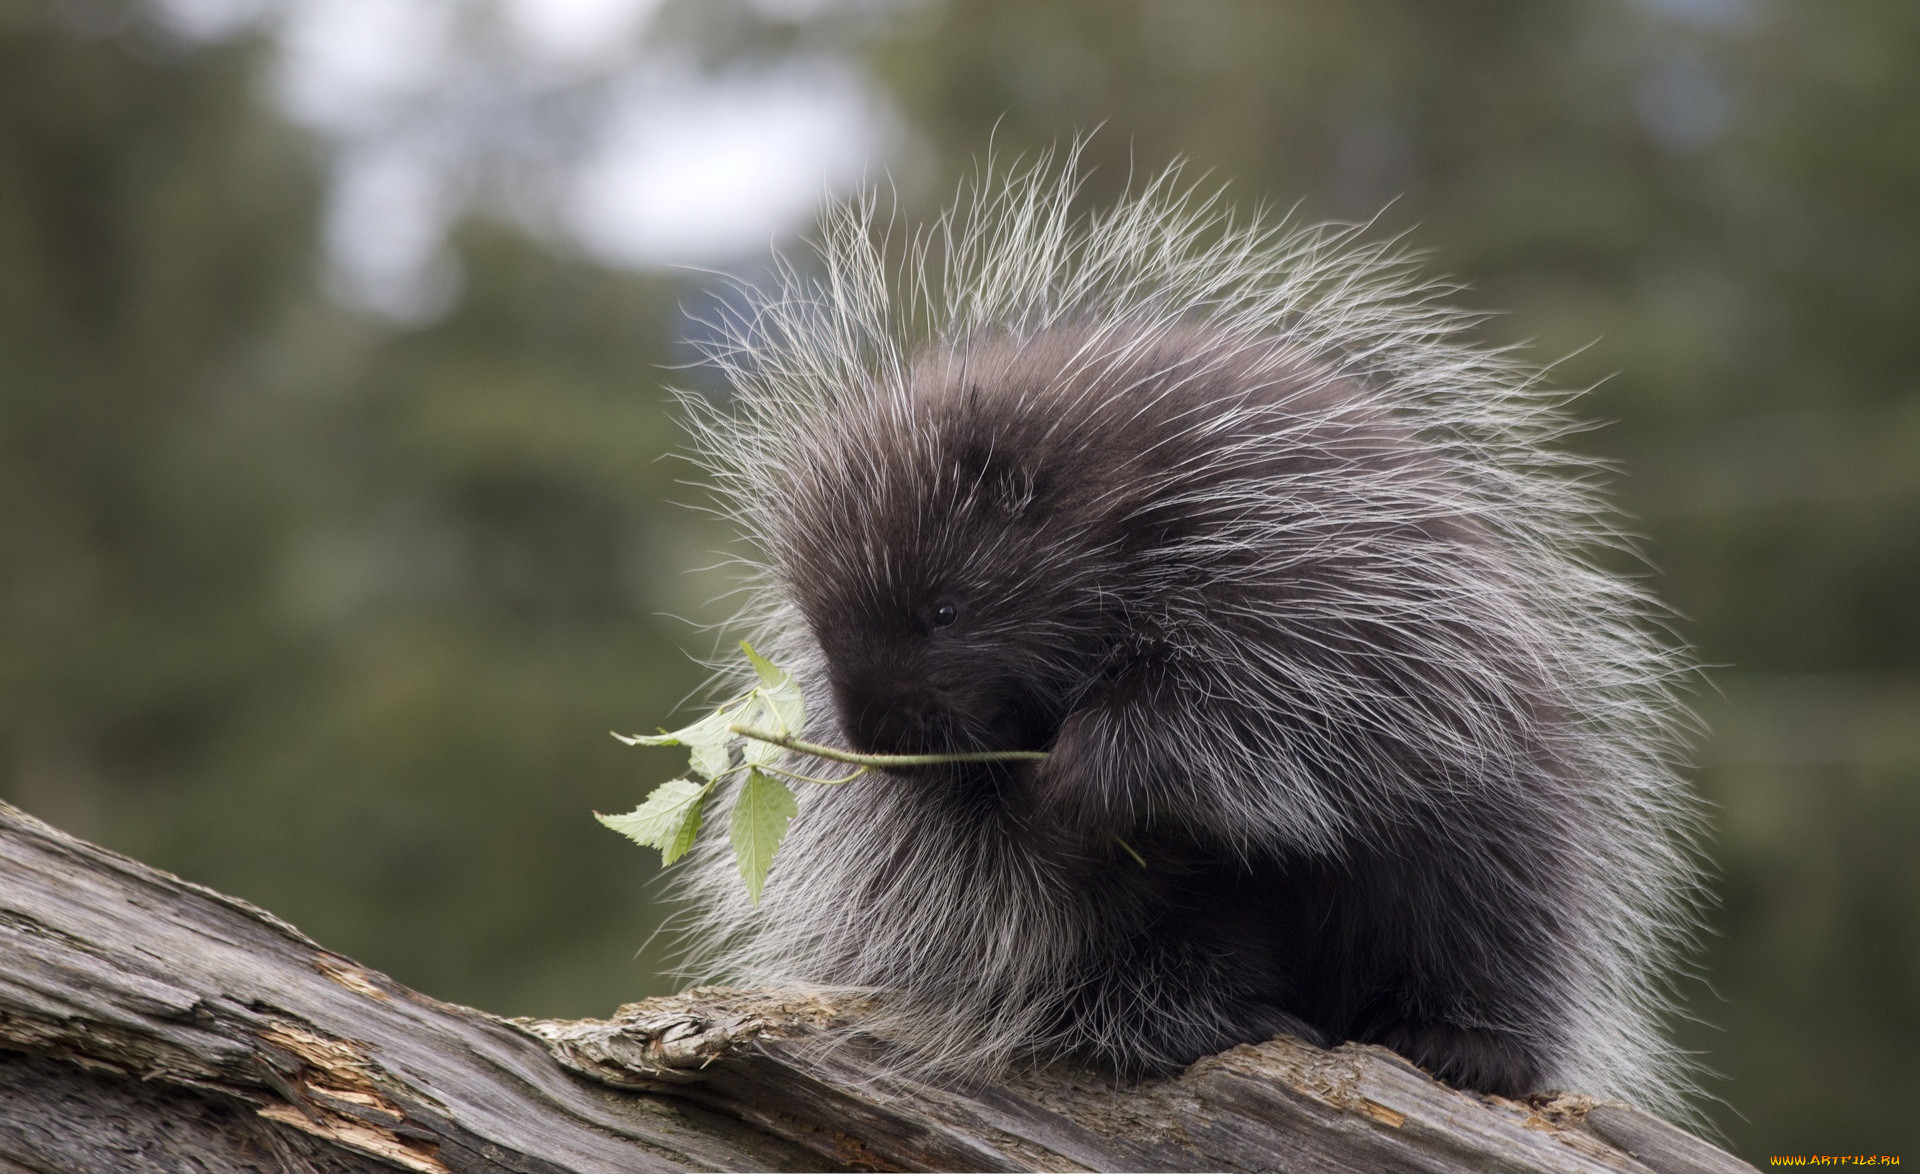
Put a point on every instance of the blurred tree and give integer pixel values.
(323, 611)
(481, 577)
(154, 225)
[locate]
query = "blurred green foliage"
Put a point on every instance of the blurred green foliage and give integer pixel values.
(334, 613)
(322, 611)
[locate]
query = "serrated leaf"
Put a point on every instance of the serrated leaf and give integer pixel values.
(782, 694)
(770, 673)
(708, 738)
(790, 710)
(758, 713)
(669, 819)
(761, 813)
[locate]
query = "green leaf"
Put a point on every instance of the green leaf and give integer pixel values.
(708, 738)
(758, 713)
(782, 693)
(770, 673)
(761, 813)
(669, 819)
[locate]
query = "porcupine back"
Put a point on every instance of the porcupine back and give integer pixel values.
(1262, 470)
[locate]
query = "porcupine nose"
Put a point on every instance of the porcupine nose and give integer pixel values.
(882, 715)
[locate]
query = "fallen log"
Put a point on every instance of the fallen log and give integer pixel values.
(150, 1024)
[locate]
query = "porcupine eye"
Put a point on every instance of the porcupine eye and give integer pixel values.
(944, 613)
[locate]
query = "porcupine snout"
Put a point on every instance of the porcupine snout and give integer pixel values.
(907, 709)
(889, 713)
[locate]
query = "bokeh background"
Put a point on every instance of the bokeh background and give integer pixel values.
(334, 490)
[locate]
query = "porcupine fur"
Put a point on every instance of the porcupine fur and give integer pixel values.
(1296, 587)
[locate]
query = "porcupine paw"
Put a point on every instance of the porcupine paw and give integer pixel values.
(1248, 1023)
(1465, 1057)
(1262, 1022)
(1170, 1044)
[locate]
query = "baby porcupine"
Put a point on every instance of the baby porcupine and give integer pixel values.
(1348, 734)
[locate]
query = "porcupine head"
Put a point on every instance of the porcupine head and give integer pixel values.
(1348, 734)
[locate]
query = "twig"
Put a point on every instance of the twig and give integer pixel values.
(884, 760)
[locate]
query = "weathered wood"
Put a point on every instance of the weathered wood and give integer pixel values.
(117, 969)
(790, 1065)
(154, 1025)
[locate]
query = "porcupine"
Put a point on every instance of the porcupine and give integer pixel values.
(1350, 733)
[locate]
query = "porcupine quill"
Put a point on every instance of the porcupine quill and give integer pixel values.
(1351, 734)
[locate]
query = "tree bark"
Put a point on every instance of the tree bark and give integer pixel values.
(150, 1024)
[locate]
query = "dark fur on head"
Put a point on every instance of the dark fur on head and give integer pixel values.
(1288, 584)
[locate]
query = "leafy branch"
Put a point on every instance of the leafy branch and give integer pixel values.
(746, 736)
